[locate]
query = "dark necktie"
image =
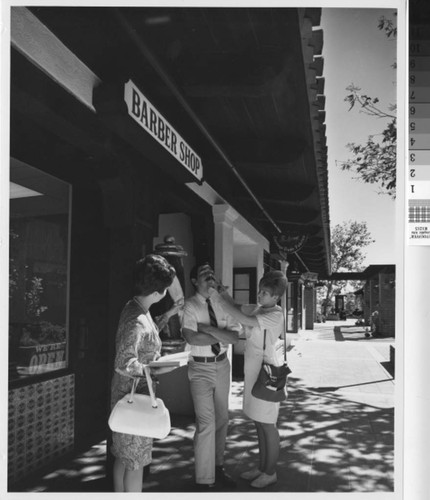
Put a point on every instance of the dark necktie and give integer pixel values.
(216, 348)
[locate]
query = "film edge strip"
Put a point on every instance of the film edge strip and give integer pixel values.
(418, 198)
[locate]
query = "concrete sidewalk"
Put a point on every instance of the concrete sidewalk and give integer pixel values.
(336, 428)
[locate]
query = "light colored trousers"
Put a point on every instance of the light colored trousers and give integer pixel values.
(209, 385)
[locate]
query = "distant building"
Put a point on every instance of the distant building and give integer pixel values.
(377, 297)
(379, 294)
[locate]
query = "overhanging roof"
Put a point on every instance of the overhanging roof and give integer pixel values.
(253, 77)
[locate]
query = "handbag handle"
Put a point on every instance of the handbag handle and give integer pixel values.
(149, 382)
(151, 390)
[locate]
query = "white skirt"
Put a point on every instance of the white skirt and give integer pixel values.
(257, 409)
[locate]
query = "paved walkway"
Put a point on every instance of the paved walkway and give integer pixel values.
(336, 428)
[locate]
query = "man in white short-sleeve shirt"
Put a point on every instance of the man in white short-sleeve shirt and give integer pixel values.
(208, 331)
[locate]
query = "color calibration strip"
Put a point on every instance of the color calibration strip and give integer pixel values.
(419, 136)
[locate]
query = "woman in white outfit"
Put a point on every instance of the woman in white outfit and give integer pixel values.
(267, 317)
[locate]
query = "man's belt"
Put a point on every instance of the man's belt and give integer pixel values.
(202, 359)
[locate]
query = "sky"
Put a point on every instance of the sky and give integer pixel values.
(356, 51)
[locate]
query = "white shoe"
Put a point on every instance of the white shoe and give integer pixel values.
(249, 475)
(264, 480)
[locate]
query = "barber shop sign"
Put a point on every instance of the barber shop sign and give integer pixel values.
(144, 113)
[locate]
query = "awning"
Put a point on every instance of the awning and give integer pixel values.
(251, 77)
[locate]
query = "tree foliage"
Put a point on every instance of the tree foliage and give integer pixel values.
(348, 241)
(375, 160)
(388, 26)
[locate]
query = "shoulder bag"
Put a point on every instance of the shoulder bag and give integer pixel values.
(140, 414)
(271, 381)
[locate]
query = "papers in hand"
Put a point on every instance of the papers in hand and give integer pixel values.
(177, 359)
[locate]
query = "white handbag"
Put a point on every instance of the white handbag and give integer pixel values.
(140, 414)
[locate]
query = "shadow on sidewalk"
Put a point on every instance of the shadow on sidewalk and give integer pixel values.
(337, 388)
(330, 442)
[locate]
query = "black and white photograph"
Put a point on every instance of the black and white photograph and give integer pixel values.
(205, 244)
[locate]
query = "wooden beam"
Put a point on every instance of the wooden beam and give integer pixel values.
(30, 37)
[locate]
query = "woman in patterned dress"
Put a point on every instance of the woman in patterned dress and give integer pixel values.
(137, 343)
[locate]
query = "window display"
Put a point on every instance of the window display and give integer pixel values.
(38, 272)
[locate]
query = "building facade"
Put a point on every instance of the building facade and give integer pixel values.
(128, 125)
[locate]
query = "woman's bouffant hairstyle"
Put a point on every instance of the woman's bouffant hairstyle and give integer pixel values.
(153, 274)
(276, 281)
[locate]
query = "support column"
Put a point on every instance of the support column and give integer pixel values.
(224, 218)
(309, 307)
(260, 264)
(284, 268)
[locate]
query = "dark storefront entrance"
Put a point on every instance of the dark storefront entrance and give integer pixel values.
(78, 224)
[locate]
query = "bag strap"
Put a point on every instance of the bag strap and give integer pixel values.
(285, 336)
(285, 339)
(151, 390)
(133, 389)
(149, 382)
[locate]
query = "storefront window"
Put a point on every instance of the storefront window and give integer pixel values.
(38, 272)
(244, 285)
